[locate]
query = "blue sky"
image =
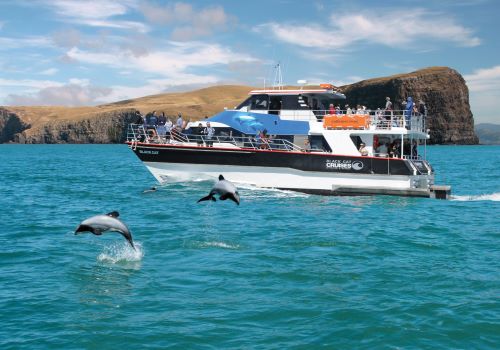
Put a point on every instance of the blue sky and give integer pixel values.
(76, 52)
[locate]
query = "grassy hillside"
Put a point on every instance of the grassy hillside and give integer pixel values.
(192, 104)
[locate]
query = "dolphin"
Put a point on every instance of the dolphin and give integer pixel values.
(102, 223)
(226, 190)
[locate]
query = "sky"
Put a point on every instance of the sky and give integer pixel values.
(78, 52)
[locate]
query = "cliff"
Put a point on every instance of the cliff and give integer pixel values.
(10, 125)
(104, 127)
(442, 89)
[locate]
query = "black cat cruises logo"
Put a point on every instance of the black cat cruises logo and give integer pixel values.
(346, 164)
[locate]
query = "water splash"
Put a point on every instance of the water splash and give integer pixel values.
(495, 197)
(121, 253)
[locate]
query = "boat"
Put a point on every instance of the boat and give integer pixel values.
(296, 139)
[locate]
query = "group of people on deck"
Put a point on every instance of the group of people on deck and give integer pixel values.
(390, 149)
(409, 107)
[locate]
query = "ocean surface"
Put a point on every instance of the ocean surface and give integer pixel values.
(283, 270)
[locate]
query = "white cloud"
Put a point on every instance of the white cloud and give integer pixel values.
(66, 95)
(50, 71)
(484, 87)
(29, 83)
(190, 23)
(174, 62)
(484, 80)
(89, 9)
(97, 13)
(401, 29)
(7, 43)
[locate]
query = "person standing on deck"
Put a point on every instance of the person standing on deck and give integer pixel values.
(179, 124)
(210, 132)
(408, 111)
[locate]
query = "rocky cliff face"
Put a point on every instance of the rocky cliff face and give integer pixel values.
(443, 90)
(107, 127)
(10, 125)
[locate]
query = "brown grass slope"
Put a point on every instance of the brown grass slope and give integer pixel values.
(192, 104)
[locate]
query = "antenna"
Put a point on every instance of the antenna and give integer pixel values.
(278, 77)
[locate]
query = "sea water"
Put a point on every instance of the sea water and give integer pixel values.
(283, 270)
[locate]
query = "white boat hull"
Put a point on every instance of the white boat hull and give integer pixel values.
(296, 180)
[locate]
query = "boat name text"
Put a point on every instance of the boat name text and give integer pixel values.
(147, 152)
(346, 164)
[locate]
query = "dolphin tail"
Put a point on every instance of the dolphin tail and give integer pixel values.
(209, 197)
(128, 237)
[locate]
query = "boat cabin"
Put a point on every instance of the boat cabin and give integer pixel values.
(292, 104)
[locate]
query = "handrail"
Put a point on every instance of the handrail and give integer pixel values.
(379, 119)
(139, 133)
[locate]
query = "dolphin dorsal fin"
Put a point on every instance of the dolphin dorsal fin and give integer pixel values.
(113, 214)
(221, 177)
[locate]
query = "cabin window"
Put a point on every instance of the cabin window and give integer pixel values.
(303, 102)
(259, 102)
(245, 103)
(319, 143)
(275, 104)
(289, 102)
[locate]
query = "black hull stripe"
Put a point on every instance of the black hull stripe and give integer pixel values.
(304, 161)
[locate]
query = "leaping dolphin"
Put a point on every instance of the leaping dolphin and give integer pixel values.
(102, 223)
(225, 189)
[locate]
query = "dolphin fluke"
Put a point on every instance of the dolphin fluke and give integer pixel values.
(105, 223)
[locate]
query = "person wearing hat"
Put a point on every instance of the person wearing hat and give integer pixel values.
(363, 150)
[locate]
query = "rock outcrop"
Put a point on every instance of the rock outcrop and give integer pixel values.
(106, 127)
(10, 125)
(444, 91)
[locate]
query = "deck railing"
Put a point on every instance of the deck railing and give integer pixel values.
(159, 135)
(378, 119)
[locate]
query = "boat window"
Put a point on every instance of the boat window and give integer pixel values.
(356, 140)
(319, 143)
(303, 102)
(259, 102)
(275, 104)
(245, 103)
(290, 102)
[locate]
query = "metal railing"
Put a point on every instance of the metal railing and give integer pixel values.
(379, 119)
(152, 134)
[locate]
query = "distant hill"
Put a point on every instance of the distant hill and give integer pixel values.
(489, 134)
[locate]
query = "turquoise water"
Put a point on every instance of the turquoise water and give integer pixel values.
(281, 271)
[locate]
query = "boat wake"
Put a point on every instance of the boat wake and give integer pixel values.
(215, 244)
(265, 192)
(495, 197)
(119, 253)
